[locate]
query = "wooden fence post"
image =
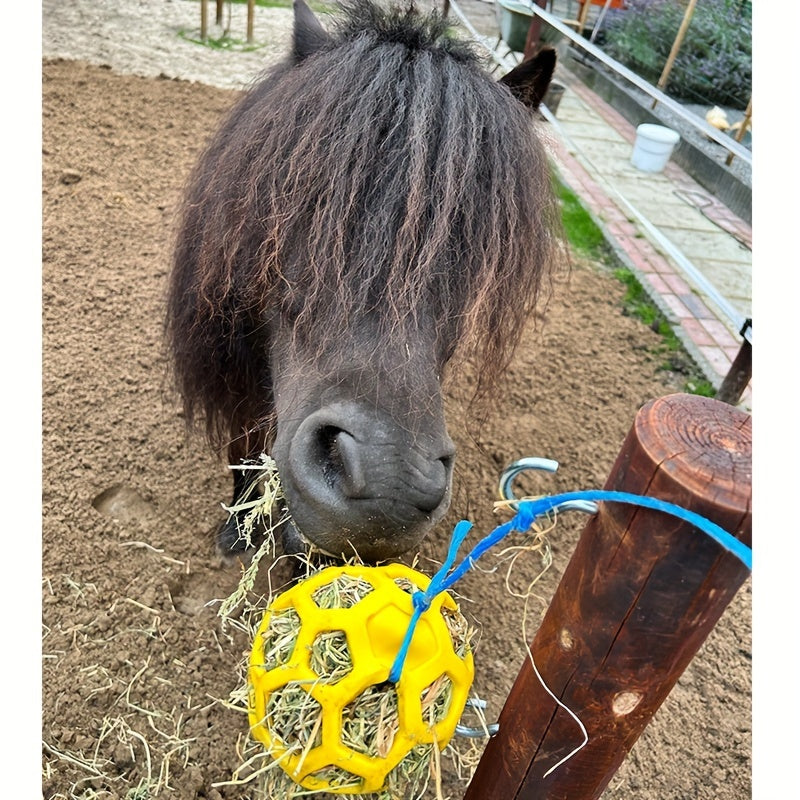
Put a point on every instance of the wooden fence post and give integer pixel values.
(676, 45)
(746, 120)
(741, 370)
(251, 13)
(534, 32)
(639, 596)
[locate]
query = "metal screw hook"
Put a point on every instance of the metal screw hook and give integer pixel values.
(477, 733)
(543, 465)
(517, 467)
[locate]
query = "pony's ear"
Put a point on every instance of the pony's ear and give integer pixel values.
(309, 35)
(529, 80)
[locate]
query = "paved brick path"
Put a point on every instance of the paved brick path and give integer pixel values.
(592, 146)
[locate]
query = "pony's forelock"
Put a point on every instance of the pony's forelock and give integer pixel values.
(385, 176)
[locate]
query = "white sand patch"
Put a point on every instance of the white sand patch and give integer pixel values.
(151, 38)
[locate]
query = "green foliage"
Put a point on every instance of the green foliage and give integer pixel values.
(582, 233)
(638, 304)
(714, 63)
(703, 388)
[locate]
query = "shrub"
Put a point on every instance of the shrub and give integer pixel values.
(714, 63)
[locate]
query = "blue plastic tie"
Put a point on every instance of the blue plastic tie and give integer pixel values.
(529, 511)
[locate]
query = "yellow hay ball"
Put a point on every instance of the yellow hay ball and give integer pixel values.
(318, 695)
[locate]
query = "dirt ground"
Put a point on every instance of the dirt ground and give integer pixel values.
(136, 669)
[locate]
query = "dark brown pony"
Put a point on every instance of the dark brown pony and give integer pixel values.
(373, 205)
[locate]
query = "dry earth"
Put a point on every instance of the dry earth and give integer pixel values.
(136, 667)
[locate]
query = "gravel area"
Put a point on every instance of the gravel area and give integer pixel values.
(153, 37)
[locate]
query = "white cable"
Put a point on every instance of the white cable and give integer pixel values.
(570, 712)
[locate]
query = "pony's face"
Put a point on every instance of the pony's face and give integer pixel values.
(361, 443)
(375, 203)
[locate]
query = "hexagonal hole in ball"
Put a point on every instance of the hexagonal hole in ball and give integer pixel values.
(294, 716)
(435, 700)
(330, 656)
(407, 586)
(344, 591)
(337, 778)
(279, 638)
(370, 722)
(459, 630)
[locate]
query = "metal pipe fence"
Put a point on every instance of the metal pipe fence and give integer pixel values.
(733, 147)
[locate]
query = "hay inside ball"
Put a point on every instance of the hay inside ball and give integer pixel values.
(318, 696)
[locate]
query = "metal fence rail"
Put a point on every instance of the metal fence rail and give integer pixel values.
(732, 146)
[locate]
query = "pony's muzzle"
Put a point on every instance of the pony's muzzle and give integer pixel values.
(357, 482)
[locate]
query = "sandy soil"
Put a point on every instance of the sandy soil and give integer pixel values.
(136, 668)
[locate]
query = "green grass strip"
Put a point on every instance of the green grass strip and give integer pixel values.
(587, 240)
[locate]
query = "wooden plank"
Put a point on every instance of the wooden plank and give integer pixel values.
(534, 33)
(676, 45)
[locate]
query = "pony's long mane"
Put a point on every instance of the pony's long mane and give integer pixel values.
(382, 175)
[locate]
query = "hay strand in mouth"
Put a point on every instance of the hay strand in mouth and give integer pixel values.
(259, 499)
(264, 503)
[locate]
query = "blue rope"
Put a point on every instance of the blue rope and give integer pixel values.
(529, 511)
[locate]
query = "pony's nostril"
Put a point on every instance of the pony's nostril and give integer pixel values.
(357, 470)
(354, 479)
(431, 494)
(327, 453)
(341, 464)
(447, 463)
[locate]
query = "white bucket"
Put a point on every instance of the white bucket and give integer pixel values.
(653, 147)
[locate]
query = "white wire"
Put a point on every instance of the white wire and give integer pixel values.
(570, 712)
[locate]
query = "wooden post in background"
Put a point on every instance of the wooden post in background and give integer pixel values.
(534, 32)
(638, 598)
(676, 45)
(583, 15)
(251, 11)
(741, 370)
(746, 120)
